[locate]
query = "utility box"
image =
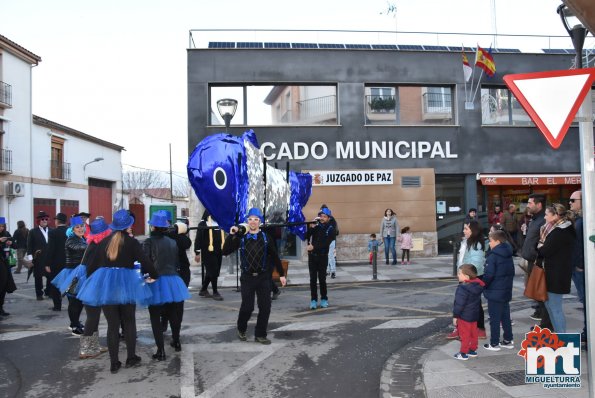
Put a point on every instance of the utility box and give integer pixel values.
(164, 206)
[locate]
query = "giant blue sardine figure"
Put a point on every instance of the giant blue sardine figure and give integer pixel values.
(228, 187)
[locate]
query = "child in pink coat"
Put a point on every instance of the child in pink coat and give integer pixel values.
(406, 240)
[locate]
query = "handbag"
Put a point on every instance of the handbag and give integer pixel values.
(536, 288)
(12, 258)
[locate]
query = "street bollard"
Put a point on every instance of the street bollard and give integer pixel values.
(374, 263)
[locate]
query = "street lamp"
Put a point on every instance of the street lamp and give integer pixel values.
(227, 109)
(92, 161)
(577, 33)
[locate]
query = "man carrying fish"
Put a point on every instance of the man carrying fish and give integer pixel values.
(258, 255)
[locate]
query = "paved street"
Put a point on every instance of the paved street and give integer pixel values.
(339, 351)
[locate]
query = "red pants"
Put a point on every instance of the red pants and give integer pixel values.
(468, 335)
(371, 257)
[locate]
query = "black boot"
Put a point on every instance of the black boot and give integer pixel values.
(176, 345)
(160, 354)
(115, 367)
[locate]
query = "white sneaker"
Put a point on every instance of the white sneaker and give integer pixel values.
(490, 347)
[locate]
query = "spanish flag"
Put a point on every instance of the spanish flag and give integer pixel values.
(467, 70)
(485, 61)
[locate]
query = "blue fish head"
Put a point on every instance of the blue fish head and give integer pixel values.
(215, 176)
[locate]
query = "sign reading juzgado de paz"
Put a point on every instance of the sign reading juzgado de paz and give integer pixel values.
(352, 177)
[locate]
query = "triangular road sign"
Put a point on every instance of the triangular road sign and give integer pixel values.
(552, 98)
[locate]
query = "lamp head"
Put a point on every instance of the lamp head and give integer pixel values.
(227, 109)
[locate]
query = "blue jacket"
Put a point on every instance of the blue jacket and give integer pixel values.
(499, 273)
(468, 300)
(476, 256)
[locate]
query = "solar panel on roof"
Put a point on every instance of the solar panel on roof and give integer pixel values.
(249, 44)
(358, 46)
(435, 48)
(506, 50)
(304, 45)
(330, 45)
(410, 47)
(277, 45)
(554, 51)
(384, 47)
(222, 44)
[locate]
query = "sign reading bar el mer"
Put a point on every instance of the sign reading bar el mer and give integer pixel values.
(352, 177)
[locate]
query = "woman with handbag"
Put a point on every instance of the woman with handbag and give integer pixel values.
(554, 250)
(6, 281)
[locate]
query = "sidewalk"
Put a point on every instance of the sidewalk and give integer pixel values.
(420, 268)
(498, 373)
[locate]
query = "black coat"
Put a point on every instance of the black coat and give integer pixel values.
(55, 257)
(211, 259)
(556, 257)
(75, 249)
(6, 281)
(468, 300)
(36, 244)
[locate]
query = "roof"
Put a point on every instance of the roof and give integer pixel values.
(53, 125)
(21, 52)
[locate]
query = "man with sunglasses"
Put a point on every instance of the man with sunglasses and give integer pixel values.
(578, 254)
(37, 242)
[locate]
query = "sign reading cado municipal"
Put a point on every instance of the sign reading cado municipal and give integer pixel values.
(351, 177)
(360, 150)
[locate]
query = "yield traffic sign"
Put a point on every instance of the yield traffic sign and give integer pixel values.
(552, 98)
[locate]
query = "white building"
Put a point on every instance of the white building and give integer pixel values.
(45, 165)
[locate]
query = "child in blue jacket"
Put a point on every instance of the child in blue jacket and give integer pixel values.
(466, 310)
(498, 277)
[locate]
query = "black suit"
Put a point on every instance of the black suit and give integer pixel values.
(36, 246)
(55, 258)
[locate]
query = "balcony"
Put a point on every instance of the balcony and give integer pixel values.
(5, 95)
(5, 161)
(320, 110)
(59, 171)
(437, 106)
(381, 109)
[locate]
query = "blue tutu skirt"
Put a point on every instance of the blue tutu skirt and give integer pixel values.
(114, 286)
(64, 279)
(168, 289)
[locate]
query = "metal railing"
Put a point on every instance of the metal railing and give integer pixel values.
(437, 103)
(59, 170)
(5, 94)
(6, 161)
(317, 107)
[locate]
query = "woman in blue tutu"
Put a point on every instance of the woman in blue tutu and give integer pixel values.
(169, 291)
(89, 344)
(75, 247)
(116, 286)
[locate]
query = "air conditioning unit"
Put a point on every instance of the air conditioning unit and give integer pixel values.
(15, 189)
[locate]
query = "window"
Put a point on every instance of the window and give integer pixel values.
(57, 158)
(500, 108)
(267, 105)
(409, 105)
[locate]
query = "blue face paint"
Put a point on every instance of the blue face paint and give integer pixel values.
(228, 189)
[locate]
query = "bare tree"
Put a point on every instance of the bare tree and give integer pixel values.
(136, 182)
(181, 187)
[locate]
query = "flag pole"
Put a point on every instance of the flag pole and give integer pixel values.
(477, 86)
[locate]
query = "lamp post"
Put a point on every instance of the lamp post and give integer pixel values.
(577, 33)
(227, 109)
(92, 161)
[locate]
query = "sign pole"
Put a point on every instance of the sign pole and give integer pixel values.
(588, 189)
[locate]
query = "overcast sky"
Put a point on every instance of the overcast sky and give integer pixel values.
(116, 69)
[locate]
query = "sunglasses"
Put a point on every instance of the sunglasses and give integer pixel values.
(572, 200)
(44, 219)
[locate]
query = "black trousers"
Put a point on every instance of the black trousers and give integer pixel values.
(259, 286)
(184, 272)
(209, 279)
(174, 313)
(274, 287)
(317, 266)
(92, 322)
(405, 252)
(124, 314)
(54, 293)
(75, 307)
(38, 273)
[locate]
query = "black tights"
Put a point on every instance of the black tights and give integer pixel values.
(92, 322)
(75, 307)
(116, 314)
(405, 251)
(174, 312)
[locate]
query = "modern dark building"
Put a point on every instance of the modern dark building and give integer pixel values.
(386, 126)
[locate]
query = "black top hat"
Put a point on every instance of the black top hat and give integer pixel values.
(42, 214)
(83, 214)
(61, 217)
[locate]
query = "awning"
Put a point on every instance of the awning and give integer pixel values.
(529, 179)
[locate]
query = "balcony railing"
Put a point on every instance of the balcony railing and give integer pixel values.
(59, 170)
(437, 103)
(5, 95)
(5, 161)
(317, 109)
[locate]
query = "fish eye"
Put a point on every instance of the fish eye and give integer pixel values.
(220, 178)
